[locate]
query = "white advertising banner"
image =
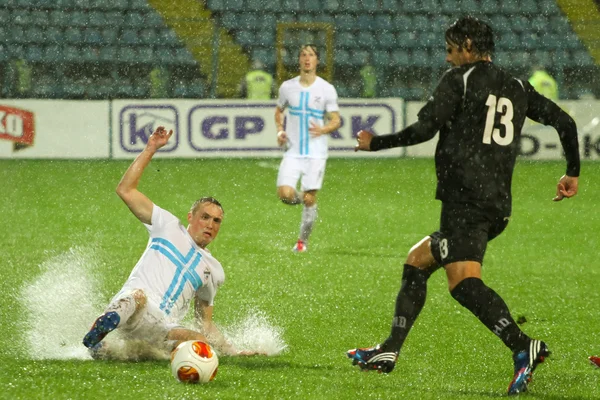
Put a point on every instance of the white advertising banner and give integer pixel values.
(56, 129)
(538, 142)
(237, 128)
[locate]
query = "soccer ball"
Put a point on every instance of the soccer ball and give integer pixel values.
(194, 362)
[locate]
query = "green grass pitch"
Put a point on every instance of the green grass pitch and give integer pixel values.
(337, 296)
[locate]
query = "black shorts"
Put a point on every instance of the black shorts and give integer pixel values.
(464, 232)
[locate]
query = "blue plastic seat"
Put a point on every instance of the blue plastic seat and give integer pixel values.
(312, 6)
(109, 35)
(346, 40)
(135, 19)
(166, 37)
(345, 22)
(108, 54)
(359, 57)
(90, 54)
(139, 5)
(71, 54)
(386, 40)
(53, 35)
(153, 19)
(147, 36)
(245, 38)
(331, 5)
(366, 22)
(400, 58)
(490, 6)
(97, 19)
(229, 21)
(73, 36)
(115, 18)
(79, 19)
(390, 6)
(291, 5)
(130, 37)
(381, 59)
(34, 53)
(509, 40)
(407, 40)
(365, 40)
(352, 6)
(38, 17)
(341, 57)
(92, 36)
(146, 54)
(369, 6)
(383, 23)
(265, 38)
(402, 23)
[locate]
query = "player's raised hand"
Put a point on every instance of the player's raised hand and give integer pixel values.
(363, 141)
(567, 187)
(159, 138)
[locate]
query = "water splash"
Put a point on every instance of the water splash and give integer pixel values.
(255, 333)
(60, 305)
(63, 301)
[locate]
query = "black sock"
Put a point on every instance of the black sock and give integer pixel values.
(409, 304)
(491, 310)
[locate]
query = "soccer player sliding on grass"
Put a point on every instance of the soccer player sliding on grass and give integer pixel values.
(479, 111)
(175, 269)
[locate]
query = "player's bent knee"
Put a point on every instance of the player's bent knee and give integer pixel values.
(140, 298)
(420, 255)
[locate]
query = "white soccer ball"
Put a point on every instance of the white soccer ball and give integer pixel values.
(194, 362)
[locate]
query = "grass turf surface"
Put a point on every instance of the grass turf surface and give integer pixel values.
(337, 296)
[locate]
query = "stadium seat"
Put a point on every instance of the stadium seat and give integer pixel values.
(90, 54)
(265, 38)
(229, 21)
(510, 7)
(421, 23)
(369, 6)
(345, 22)
(386, 40)
(53, 53)
(33, 34)
(79, 19)
(71, 54)
(431, 40)
(264, 55)
(38, 17)
(73, 36)
(561, 58)
(500, 24)
(312, 6)
(359, 57)
(383, 23)
(390, 6)
(135, 19)
(166, 37)
(402, 22)
(366, 22)
(108, 54)
(542, 57)
(130, 37)
(381, 59)
(519, 24)
(195, 89)
(350, 6)
(53, 35)
(216, 5)
(92, 36)
(153, 19)
(530, 41)
(341, 58)
(521, 59)
(490, 6)
(233, 5)
(548, 7)
(366, 40)
(469, 7)
(115, 18)
(509, 40)
(407, 40)
(20, 17)
(400, 58)
(529, 7)
(245, 37)
(145, 54)
(147, 36)
(97, 19)
(249, 21)
(139, 5)
(345, 40)
(34, 53)
(109, 35)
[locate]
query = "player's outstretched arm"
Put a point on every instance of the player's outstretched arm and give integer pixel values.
(138, 203)
(203, 313)
(567, 187)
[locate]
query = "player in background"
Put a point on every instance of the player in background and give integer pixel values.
(175, 269)
(312, 114)
(479, 110)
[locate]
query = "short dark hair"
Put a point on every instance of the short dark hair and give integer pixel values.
(480, 33)
(206, 199)
(311, 46)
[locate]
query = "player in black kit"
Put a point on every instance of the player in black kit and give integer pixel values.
(479, 110)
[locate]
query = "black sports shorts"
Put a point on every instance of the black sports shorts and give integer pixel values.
(464, 232)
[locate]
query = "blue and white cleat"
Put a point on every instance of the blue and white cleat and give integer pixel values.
(525, 363)
(105, 324)
(373, 359)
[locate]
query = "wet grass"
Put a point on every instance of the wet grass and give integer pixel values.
(339, 295)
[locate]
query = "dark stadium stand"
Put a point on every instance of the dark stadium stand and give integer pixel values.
(106, 49)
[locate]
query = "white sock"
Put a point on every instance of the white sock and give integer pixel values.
(124, 307)
(309, 215)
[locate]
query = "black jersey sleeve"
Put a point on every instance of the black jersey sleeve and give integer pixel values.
(440, 107)
(545, 111)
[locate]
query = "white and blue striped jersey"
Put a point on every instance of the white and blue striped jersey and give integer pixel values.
(305, 105)
(173, 269)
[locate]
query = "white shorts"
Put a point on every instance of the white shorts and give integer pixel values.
(311, 170)
(150, 324)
